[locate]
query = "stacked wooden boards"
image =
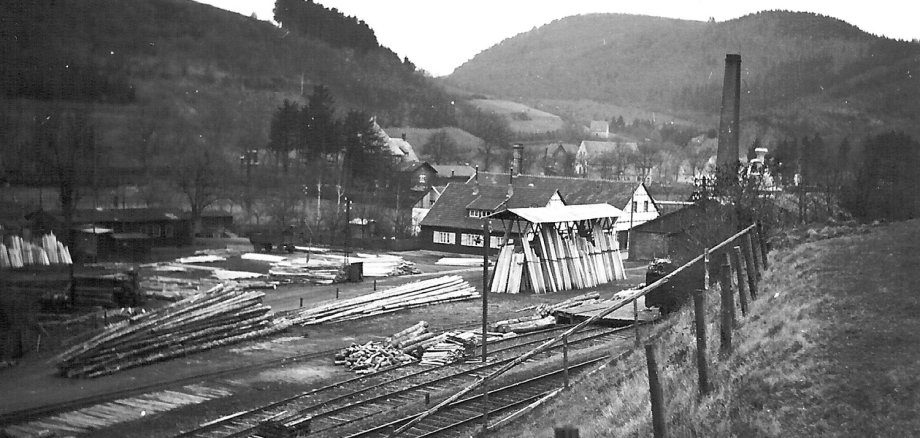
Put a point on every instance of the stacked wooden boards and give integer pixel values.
(21, 252)
(416, 294)
(552, 258)
(220, 316)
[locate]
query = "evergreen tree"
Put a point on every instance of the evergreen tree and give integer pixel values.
(284, 132)
(320, 127)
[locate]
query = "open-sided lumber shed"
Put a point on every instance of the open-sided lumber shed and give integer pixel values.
(558, 248)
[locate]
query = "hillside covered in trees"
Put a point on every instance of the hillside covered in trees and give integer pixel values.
(147, 70)
(798, 68)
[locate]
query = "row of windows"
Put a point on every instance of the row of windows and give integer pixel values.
(466, 239)
(152, 230)
(473, 212)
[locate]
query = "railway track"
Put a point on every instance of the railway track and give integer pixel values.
(331, 410)
(464, 417)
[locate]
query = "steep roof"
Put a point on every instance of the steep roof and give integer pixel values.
(450, 210)
(573, 190)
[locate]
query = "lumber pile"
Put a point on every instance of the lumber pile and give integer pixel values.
(542, 317)
(223, 315)
(459, 261)
(371, 357)
(48, 251)
(416, 294)
(553, 257)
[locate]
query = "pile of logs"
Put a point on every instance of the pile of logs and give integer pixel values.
(542, 317)
(551, 259)
(223, 315)
(416, 294)
(22, 253)
(371, 357)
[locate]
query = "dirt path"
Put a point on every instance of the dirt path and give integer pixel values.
(866, 381)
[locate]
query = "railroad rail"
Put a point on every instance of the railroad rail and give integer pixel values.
(329, 410)
(463, 417)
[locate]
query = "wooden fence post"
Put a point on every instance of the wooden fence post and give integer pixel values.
(659, 418)
(728, 309)
(636, 320)
(741, 274)
(565, 360)
(753, 274)
(732, 286)
(762, 243)
(706, 269)
(702, 360)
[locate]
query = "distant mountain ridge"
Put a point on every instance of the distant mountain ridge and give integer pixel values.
(677, 65)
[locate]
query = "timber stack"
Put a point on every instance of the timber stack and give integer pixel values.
(20, 253)
(542, 318)
(371, 357)
(552, 258)
(221, 316)
(416, 294)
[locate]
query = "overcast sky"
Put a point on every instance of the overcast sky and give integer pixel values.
(440, 35)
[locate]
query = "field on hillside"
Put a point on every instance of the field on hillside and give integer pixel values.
(521, 118)
(584, 111)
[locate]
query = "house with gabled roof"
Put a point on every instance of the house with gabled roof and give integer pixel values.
(459, 210)
(631, 197)
(454, 222)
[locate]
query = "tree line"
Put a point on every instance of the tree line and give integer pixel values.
(329, 25)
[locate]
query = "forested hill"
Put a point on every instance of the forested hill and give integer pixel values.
(176, 54)
(674, 65)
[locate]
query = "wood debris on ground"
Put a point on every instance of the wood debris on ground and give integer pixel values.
(543, 316)
(223, 315)
(445, 289)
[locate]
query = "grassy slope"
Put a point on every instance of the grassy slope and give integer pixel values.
(537, 121)
(829, 350)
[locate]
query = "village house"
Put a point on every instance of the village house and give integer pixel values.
(590, 153)
(458, 212)
(599, 129)
(454, 223)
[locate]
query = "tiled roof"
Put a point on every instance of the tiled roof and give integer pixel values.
(573, 190)
(450, 210)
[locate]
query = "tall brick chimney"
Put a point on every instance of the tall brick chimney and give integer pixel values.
(517, 156)
(729, 120)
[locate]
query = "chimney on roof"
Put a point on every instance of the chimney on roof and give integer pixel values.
(729, 120)
(404, 136)
(476, 182)
(517, 156)
(511, 182)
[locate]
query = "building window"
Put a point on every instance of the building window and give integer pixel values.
(444, 237)
(635, 206)
(169, 231)
(496, 241)
(422, 178)
(473, 212)
(154, 230)
(471, 239)
(645, 206)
